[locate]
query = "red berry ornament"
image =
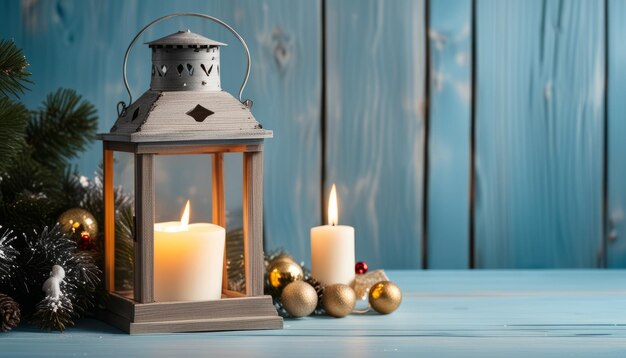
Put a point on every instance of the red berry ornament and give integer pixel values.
(360, 268)
(85, 243)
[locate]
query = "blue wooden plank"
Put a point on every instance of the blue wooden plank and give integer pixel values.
(80, 44)
(616, 112)
(539, 133)
(430, 345)
(374, 133)
(9, 27)
(286, 90)
(449, 34)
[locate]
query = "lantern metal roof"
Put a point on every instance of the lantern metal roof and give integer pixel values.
(184, 38)
(186, 115)
(185, 101)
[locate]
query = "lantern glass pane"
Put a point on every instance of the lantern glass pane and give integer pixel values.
(233, 178)
(187, 265)
(124, 171)
(196, 178)
(179, 178)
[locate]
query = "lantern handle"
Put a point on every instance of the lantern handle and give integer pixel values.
(121, 106)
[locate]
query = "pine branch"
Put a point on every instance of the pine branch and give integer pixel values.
(124, 248)
(61, 129)
(70, 190)
(13, 78)
(25, 176)
(54, 314)
(38, 252)
(83, 277)
(39, 178)
(36, 185)
(94, 202)
(7, 256)
(13, 119)
(27, 212)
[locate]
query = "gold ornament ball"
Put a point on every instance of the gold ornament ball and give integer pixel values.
(338, 300)
(385, 297)
(282, 257)
(299, 299)
(283, 272)
(79, 224)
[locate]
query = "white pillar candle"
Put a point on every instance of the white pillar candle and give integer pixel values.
(188, 260)
(332, 248)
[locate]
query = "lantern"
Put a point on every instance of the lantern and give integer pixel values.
(185, 111)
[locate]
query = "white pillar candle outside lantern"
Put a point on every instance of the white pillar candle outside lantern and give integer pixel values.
(332, 248)
(180, 278)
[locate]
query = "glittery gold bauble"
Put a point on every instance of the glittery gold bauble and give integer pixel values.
(338, 300)
(299, 299)
(283, 272)
(385, 297)
(81, 226)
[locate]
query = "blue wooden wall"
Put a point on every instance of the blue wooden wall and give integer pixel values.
(460, 133)
(539, 133)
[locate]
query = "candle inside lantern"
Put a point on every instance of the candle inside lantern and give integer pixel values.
(332, 248)
(188, 260)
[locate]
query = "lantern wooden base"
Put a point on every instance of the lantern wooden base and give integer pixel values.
(228, 314)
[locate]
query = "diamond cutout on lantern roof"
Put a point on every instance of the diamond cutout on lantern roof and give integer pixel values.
(199, 113)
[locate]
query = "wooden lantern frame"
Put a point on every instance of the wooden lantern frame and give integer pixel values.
(169, 119)
(236, 311)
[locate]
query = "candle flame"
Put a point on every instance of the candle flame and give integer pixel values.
(333, 212)
(184, 219)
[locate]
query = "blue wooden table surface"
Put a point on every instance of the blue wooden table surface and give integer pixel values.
(575, 313)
